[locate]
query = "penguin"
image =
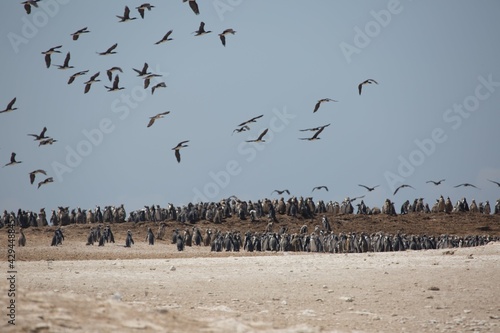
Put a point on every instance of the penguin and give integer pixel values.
(22, 239)
(129, 240)
(150, 237)
(180, 243)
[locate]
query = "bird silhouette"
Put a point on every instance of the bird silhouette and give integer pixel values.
(126, 15)
(115, 85)
(318, 104)
(315, 136)
(33, 174)
(494, 182)
(281, 192)
(369, 81)
(143, 7)
(109, 51)
(10, 106)
(194, 6)
(178, 148)
(158, 116)
(369, 188)
(253, 120)
(66, 62)
(314, 128)
(49, 52)
(402, 186)
(241, 129)
(467, 185)
(435, 182)
(13, 160)
(201, 30)
(319, 188)
(40, 136)
(110, 72)
(45, 181)
(159, 85)
(222, 35)
(93, 79)
(27, 5)
(165, 38)
(79, 32)
(77, 74)
(259, 139)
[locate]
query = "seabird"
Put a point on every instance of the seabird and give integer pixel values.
(126, 15)
(50, 51)
(158, 116)
(467, 185)
(259, 139)
(434, 182)
(253, 120)
(143, 71)
(281, 192)
(45, 181)
(318, 104)
(494, 182)
(368, 188)
(40, 136)
(177, 148)
(369, 81)
(314, 128)
(242, 129)
(47, 141)
(77, 74)
(165, 38)
(109, 51)
(143, 7)
(115, 85)
(13, 160)
(33, 174)
(79, 32)
(88, 84)
(147, 79)
(10, 106)
(194, 6)
(401, 186)
(222, 35)
(319, 188)
(27, 5)
(110, 71)
(201, 30)
(315, 136)
(66, 62)
(159, 85)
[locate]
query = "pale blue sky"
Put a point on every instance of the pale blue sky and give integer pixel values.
(427, 56)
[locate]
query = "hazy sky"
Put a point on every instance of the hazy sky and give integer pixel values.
(433, 115)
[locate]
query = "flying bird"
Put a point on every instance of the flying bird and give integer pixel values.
(259, 139)
(241, 129)
(253, 120)
(27, 5)
(369, 81)
(66, 62)
(494, 182)
(33, 174)
(77, 33)
(10, 106)
(194, 6)
(319, 188)
(147, 79)
(222, 35)
(314, 128)
(109, 51)
(115, 85)
(401, 186)
(159, 85)
(110, 72)
(201, 30)
(47, 141)
(368, 188)
(143, 71)
(467, 185)
(158, 116)
(49, 52)
(45, 181)
(435, 182)
(143, 7)
(281, 192)
(165, 38)
(93, 79)
(318, 104)
(315, 136)
(126, 15)
(40, 136)
(13, 160)
(77, 74)
(178, 148)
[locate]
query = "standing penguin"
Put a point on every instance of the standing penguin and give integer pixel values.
(180, 243)
(150, 237)
(57, 238)
(22, 239)
(129, 240)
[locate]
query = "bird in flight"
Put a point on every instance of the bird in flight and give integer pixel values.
(319, 188)
(47, 141)
(147, 79)
(242, 129)
(77, 74)
(110, 72)
(315, 136)
(369, 81)
(253, 120)
(222, 35)
(165, 38)
(401, 186)
(115, 85)
(49, 52)
(201, 30)
(13, 160)
(281, 192)
(259, 139)
(45, 181)
(40, 136)
(368, 188)
(27, 5)
(66, 62)
(33, 174)
(126, 15)
(467, 185)
(143, 71)
(434, 182)
(194, 6)
(318, 104)
(93, 79)
(159, 85)
(314, 128)
(109, 51)
(143, 7)
(494, 182)
(10, 106)
(77, 33)
(158, 116)
(178, 148)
